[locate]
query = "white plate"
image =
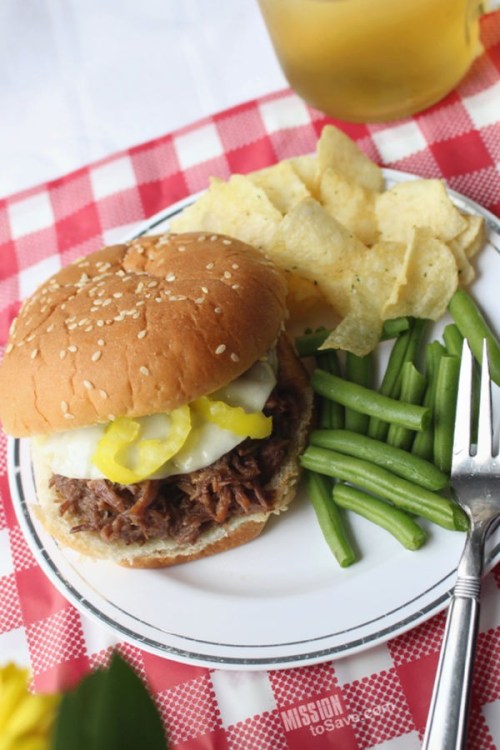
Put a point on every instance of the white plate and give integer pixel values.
(280, 601)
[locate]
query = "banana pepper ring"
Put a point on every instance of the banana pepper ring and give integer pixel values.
(124, 433)
(234, 418)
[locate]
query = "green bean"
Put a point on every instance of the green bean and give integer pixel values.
(329, 518)
(444, 411)
(473, 326)
(331, 414)
(453, 340)
(375, 479)
(412, 391)
(405, 349)
(394, 327)
(378, 428)
(369, 402)
(394, 520)
(399, 461)
(308, 344)
(358, 370)
(423, 443)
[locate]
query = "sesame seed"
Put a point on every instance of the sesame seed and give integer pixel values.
(99, 323)
(72, 348)
(100, 342)
(220, 349)
(119, 317)
(204, 290)
(139, 287)
(103, 394)
(235, 266)
(227, 242)
(213, 238)
(106, 302)
(199, 300)
(136, 315)
(9, 348)
(88, 385)
(235, 286)
(202, 238)
(83, 322)
(170, 277)
(141, 334)
(64, 407)
(62, 353)
(117, 295)
(152, 284)
(34, 353)
(217, 310)
(96, 356)
(227, 274)
(209, 266)
(88, 329)
(181, 248)
(69, 416)
(144, 370)
(72, 326)
(234, 357)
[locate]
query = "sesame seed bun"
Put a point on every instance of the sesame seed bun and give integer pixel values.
(138, 328)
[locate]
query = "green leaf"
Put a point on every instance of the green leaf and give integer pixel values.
(110, 709)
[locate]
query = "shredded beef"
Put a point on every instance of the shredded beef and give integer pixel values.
(182, 507)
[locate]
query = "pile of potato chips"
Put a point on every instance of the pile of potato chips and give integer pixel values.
(370, 253)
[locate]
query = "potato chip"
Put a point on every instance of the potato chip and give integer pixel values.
(337, 151)
(472, 238)
(306, 167)
(359, 332)
(314, 245)
(417, 203)
(428, 278)
(282, 185)
(351, 204)
(373, 276)
(238, 208)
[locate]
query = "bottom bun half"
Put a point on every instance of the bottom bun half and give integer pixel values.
(158, 553)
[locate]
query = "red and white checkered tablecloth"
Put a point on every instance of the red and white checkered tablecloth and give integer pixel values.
(376, 699)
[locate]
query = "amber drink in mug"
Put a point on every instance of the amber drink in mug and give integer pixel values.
(373, 60)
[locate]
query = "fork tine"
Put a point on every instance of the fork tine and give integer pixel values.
(484, 430)
(461, 435)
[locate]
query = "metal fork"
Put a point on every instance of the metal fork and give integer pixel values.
(475, 481)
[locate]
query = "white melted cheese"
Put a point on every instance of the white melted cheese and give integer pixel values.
(70, 453)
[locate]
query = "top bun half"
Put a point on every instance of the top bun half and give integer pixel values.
(136, 329)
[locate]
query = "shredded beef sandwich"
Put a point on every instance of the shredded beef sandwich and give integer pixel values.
(165, 405)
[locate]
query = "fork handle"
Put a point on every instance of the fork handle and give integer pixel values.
(448, 714)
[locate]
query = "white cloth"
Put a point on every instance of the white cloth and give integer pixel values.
(81, 80)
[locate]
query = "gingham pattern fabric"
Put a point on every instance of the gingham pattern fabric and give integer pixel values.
(379, 698)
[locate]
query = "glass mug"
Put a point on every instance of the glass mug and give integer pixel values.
(373, 60)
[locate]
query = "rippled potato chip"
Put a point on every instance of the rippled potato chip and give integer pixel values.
(351, 204)
(316, 246)
(344, 242)
(337, 151)
(418, 203)
(237, 207)
(282, 185)
(465, 245)
(306, 167)
(427, 279)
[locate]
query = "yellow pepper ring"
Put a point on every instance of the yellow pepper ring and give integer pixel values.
(123, 433)
(234, 418)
